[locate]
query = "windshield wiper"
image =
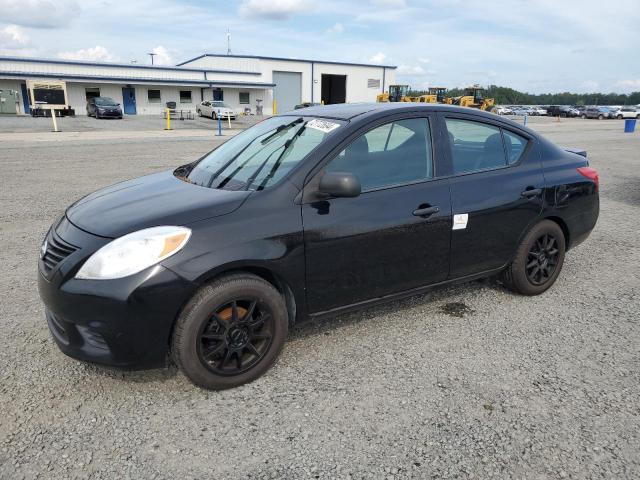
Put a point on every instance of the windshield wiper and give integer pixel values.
(278, 161)
(279, 129)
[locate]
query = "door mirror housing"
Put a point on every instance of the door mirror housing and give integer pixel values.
(339, 184)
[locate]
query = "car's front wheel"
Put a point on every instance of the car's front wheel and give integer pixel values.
(538, 260)
(619, 117)
(583, 116)
(230, 332)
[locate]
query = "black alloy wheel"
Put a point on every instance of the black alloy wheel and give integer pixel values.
(231, 331)
(537, 261)
(542, 259)
(236, 337)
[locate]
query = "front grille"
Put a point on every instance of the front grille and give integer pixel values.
(57, 250)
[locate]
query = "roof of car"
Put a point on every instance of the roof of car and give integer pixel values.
(347, 111)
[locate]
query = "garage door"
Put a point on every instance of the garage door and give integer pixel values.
(288, 90)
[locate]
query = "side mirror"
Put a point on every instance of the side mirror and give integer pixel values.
(339, 184)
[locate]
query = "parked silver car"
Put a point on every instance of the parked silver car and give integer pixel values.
(215, 109)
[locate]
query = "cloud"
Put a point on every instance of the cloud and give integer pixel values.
(93, 54)
(13, 37)
(630, 85)
(378, 58)
(162, 56)
(424, 60)
(389, 3)
(273, 9)
(337, 28)
(15, 42)
(412, 70)
(39, 13)
(589, 86)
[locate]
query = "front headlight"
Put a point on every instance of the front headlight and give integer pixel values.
(134, 252)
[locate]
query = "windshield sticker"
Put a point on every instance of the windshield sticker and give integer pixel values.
(322, 125)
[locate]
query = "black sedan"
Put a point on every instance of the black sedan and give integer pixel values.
(307, 215)
(103, 107)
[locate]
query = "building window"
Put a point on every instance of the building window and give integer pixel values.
(91, 93)
(218, 95)
(185, 96)
(244, 98)
(153, 96)
(373, 83)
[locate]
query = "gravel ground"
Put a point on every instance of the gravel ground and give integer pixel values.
(469, 381)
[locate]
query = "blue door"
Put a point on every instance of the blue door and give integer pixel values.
(129, 100)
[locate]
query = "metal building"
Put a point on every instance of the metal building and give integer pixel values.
(240, 81)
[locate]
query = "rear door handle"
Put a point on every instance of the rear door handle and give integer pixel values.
(426, 212)
(532, 192)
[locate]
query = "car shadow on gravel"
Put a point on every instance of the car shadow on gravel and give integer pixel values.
(439, 298)
(161, 374)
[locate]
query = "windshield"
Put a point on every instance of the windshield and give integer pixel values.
(220, 104)
(105, 101)
(261, 155)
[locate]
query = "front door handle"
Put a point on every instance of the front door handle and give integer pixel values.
(531, 192)
(426, 212)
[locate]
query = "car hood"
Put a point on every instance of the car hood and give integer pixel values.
(152, 200)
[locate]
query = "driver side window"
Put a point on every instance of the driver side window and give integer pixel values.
(395, 153)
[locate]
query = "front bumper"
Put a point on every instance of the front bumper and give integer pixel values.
(124, 323)
(110, 114)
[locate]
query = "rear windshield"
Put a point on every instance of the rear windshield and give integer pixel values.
(261, 155)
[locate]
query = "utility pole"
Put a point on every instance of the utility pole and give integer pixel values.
(151, 54)
(228, 42)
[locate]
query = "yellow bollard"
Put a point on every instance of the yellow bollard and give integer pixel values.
(321, 102)
(229, 121)
(274, 107)
(558, 118)
(168, 114)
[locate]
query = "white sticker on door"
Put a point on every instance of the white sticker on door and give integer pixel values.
(460, 221)
(322, 125)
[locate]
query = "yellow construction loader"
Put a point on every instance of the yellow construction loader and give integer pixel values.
(472, 98)
(396, 93)
(435, 95)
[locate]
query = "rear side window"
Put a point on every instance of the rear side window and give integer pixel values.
(395, 153)
(474, 146)
(477, 146)
(515, 145)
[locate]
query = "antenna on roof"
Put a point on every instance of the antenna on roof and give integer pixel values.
(228, 42)
(152, 55)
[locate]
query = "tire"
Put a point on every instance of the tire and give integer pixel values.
(213, 116)
(563, 115)
(202, 345)
(519, 276)
(199, 113)
(600, 117)
(619, 117)
(583, 116)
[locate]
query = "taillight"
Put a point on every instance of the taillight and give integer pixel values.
(591, 174)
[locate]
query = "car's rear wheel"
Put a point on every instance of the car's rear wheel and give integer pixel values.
(583, 116)
(619, 117)
(600, 117)
(538, 260)
(230, 332)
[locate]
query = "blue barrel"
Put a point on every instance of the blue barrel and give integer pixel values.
(629, 125)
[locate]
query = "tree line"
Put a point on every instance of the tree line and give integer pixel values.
(509, 96)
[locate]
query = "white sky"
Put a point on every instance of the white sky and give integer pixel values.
(531, 45)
